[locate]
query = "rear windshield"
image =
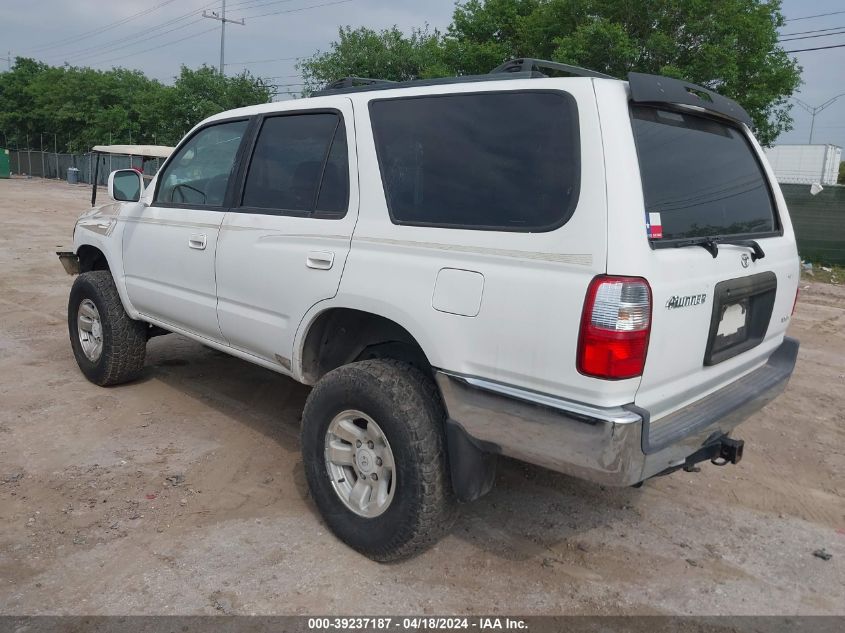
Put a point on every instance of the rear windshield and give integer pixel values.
(700, 177)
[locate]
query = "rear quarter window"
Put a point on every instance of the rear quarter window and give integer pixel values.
(506, 161)
(701, 176)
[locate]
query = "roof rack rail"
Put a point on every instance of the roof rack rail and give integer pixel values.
(529, 64)
(352, 82)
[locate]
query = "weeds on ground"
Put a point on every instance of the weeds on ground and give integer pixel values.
(820, 272)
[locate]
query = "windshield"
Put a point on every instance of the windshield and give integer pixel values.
(700, 177)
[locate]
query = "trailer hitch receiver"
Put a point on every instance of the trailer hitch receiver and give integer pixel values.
(730, 452)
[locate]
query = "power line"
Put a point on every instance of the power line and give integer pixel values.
(832, 28)
(120, 43)
(147, 50)
(103, 29)
(123, 42)
(809, 37)
(145, 33)
(199, 19)
(809, 17)
(313, 6)
(818, 48)
(263, 61)
(262, 3)
(142, 40)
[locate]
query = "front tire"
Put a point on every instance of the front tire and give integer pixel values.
(109, 346)
(375, 458)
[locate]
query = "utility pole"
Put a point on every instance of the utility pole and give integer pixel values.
(814, 110)
(8, 59)
(223, 19)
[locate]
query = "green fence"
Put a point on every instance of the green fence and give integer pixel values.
(819, 222)
(4, 163)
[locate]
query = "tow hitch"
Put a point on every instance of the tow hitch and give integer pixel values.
(725, 450)
(720, 451)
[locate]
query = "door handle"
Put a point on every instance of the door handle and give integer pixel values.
(321, 260)
(198, 241)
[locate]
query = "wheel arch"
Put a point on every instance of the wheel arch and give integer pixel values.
(338, 335)
(97, 252)
(91, 258)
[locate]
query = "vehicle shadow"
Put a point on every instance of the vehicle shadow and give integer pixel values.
(529, 513)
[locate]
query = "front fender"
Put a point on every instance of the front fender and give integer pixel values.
(102, 228)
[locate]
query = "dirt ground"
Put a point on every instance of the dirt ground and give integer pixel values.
(184, 493)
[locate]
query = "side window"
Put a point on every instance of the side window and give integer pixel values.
(199, 173)
(299, 165)
(504, 161)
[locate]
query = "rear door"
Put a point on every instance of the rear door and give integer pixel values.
(719, 310)
(283, 245)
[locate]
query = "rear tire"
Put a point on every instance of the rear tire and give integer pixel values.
(109, 346)
(408, 432)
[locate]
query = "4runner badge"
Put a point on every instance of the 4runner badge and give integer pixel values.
(685, 302)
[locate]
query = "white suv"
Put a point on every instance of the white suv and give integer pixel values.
(584, 273)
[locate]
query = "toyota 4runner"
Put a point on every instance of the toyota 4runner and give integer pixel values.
(584, 273)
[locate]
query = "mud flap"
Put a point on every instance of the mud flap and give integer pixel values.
(473, 469)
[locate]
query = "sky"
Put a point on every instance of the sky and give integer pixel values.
(157, 36)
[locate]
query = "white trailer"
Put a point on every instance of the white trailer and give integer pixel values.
(805, 164)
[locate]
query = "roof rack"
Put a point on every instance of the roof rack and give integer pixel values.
(529, 64)
(355, 82)
(524, 68)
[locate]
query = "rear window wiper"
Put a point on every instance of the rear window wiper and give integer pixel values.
(711, 245)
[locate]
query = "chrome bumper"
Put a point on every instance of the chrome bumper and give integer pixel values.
(615, 446)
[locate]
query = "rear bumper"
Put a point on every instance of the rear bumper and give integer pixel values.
(615, 446)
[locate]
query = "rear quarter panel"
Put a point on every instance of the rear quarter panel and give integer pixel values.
(526, 330)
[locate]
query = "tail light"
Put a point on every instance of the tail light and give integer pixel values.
(615, 327)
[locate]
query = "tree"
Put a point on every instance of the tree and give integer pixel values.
(729, 45)
(386, 54)
(841, 179)
(197, 94)
(85, 107)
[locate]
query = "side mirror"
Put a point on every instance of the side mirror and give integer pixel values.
(125, 185)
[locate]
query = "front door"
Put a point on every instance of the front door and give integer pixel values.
(284, 243)
(169, 246)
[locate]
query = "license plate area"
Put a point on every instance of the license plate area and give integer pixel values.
(742, 309)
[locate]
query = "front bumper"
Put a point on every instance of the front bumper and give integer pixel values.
(615, 446)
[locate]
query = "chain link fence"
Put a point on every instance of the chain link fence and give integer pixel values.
(819, 220)
(38, 164)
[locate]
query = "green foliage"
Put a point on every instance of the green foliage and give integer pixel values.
(841, 179)
(85, 107)
(729, 45)
(386, 54)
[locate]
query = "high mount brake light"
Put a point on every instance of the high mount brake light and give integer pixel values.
(615, 328)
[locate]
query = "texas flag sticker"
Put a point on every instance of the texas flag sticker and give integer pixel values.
(654, 226)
